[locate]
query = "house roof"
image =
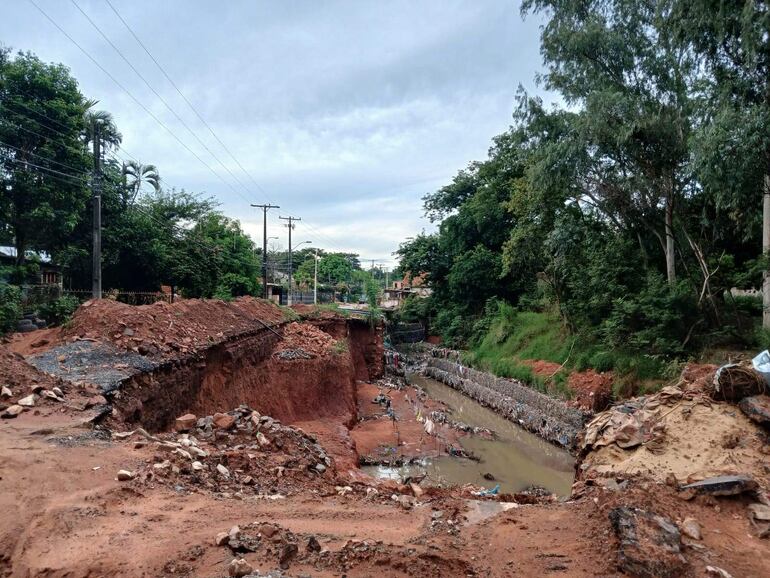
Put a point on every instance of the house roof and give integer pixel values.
(10, 253)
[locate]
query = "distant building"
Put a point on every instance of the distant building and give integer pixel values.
(49, 274)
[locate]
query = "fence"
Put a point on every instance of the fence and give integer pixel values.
(407, 333)
(307, 297)
(35, 296)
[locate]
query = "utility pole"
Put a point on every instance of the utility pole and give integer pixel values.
(315, 280)
(265, 209)
(290, 225)
(96, 267)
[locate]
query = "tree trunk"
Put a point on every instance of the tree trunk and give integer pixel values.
(670, 253)
(765, 252)
(21, 247)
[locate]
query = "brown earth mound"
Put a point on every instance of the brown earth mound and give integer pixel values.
(591, 390)
(164, 329)
(304, 338)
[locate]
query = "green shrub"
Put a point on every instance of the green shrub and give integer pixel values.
(10, 307)
(60, 310)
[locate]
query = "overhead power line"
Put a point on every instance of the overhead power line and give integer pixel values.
(132, 97)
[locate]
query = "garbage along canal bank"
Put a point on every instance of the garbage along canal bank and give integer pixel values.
(513, 458)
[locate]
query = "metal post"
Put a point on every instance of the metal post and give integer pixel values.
(290, 225)
(96, 265)
(315, 280)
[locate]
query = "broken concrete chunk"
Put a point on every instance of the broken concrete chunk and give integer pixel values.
(185, 422)
(125, 475)
(6, 392)
(239, 568)
(57, 391)
(222, 539)
(197, 466)
(223, 470)
(28, 401)
(649, 544)
(12, 412)
(723, 485)
(757, 408)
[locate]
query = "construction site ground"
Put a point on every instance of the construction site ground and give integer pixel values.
(237, 491)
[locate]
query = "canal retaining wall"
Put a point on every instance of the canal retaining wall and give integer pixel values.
(551, 419)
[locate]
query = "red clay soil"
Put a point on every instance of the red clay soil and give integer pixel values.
(65, 515)
(305, 337)
(165, 329)
(591, 390)
(543, 368)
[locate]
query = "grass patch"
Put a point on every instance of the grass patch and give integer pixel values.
(289, 314)
(340, 346)
(517, 336)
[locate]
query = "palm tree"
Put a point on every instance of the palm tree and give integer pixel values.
(108, 132)
(136, 174)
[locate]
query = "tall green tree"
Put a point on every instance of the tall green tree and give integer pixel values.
(43, 164)
(619, 61)
(731, 39)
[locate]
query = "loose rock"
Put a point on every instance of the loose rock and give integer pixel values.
(125, 475)
(239, 568)
(691, 528)
(223, 421)
(222, 539)
(12, 412)
(649, 544)
(185, 422)
(6, 392)
(28, 401)
(723, 485)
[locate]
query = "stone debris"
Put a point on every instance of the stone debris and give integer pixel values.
(125, 475)
(239, 568)
(185, 422)
(12, 411)
(28, 401)
(252, 454)
(691, 528)
(6, 392)
(717, 571)
(649, 544)
(756, 408)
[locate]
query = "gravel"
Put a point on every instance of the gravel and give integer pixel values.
(99, 363)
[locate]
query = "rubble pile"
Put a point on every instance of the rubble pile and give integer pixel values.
(303, 341)
(443, 417)
(23, 388)
(235, 454)
(166, 329)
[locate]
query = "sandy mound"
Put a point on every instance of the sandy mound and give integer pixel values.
(679, 431)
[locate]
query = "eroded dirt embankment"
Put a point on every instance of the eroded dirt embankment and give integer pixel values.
(291, 384)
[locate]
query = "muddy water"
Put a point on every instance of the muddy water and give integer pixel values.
(516, 458)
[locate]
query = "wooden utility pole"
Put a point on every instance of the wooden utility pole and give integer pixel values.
(290, 225)
(315, 279)
(265, 209)
(96, 266)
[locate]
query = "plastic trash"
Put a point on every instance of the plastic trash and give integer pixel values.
(492, 492)
(761, 364)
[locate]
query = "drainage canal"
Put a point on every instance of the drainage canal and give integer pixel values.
(516, 459)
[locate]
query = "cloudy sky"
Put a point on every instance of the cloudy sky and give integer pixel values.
(343, 113)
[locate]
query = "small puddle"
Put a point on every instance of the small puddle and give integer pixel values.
(516, 458)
